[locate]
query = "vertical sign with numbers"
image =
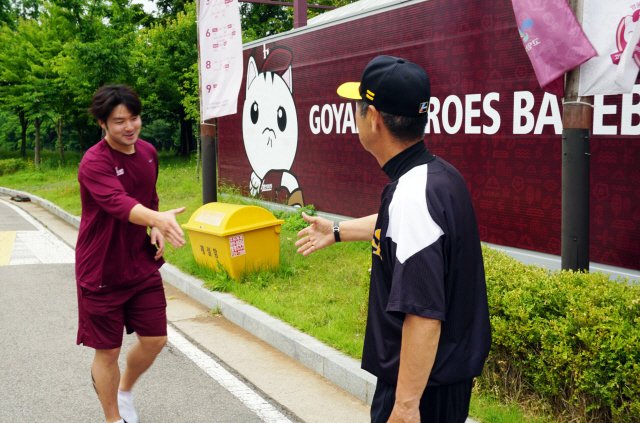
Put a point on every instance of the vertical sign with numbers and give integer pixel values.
(220, 57)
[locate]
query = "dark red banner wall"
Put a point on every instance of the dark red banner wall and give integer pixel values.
(294, 139)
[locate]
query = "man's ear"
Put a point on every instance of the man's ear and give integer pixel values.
(376, 119)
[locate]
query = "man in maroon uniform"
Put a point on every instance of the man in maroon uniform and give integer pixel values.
(116, 261)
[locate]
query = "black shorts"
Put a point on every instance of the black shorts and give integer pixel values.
(439, 404)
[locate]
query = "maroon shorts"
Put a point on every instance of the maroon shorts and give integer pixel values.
(140, 308)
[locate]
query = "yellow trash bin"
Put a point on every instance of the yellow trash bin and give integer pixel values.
(241, 238)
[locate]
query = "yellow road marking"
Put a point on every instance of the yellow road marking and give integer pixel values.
(7, 239)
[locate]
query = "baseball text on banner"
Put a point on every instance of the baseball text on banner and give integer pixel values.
(220, 38)
(553, 40)
(610, 27)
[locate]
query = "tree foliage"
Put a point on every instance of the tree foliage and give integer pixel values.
(169, 52)
(54, 55)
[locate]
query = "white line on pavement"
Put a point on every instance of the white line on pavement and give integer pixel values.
(26, 216)
(38, 247)
(249, 398)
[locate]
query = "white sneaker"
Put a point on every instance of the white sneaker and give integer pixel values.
(126, 408)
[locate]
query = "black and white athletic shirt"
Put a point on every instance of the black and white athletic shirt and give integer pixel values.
(427, 261)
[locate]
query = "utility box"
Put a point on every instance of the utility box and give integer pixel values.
(240, 238)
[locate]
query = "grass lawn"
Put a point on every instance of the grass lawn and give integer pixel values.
(324, 295)
(488, 409)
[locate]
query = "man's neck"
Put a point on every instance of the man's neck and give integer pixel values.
(124, 149)
(391, 148)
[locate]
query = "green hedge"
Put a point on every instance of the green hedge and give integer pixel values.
(570, 339)
(8, 166)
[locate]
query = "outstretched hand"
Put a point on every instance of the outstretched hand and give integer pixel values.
(316, 236)
(169, 228)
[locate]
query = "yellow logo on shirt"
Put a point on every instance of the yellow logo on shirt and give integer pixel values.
(376, 246)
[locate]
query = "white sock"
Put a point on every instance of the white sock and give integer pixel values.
(120, 421)
(125, 394)
(126, 408)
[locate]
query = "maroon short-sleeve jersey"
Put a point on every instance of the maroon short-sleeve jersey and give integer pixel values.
(111, 251)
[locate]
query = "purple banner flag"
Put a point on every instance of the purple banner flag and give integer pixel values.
(553, 40)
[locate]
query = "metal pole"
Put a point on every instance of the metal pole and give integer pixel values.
(577, 116)
(209, 163)
(299, 13)
(208, 133)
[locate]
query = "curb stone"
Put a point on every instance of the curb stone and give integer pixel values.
(334, 366)
(69, 218)
(329, 363)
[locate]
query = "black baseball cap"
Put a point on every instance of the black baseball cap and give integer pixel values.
(393, 85)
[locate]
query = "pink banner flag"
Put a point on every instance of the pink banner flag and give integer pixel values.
(553, 40)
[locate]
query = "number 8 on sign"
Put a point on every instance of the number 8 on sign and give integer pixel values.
(208, 64)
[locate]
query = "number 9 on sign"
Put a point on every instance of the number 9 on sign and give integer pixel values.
(208, 88)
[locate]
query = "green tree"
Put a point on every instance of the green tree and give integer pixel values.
(21, 66)
(166, 52)
(171, 8)
(190, 91)
(262, 20)
(27, 9)
(100, 52)
(6, 13)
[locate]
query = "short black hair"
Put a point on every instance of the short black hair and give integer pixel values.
(109, 97)
(403, 128)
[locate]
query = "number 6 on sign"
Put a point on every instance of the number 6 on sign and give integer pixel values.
(208, 33)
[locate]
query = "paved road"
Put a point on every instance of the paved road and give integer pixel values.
(45, 376)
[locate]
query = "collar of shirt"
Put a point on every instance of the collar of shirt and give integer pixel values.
(406, 160)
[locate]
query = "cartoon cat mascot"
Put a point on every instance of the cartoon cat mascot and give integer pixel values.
(270, 128)
(624, 33)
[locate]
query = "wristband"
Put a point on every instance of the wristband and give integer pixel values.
(336, 231)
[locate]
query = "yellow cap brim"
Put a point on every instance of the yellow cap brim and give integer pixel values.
(350, 90)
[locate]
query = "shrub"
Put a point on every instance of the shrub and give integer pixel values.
(570, 339)
(293, 220)
(9, 166)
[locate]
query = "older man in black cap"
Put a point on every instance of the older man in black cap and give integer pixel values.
(428, 333)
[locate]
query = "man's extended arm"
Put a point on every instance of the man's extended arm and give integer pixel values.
(420, 337)
(320, 233)
(105, 188)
